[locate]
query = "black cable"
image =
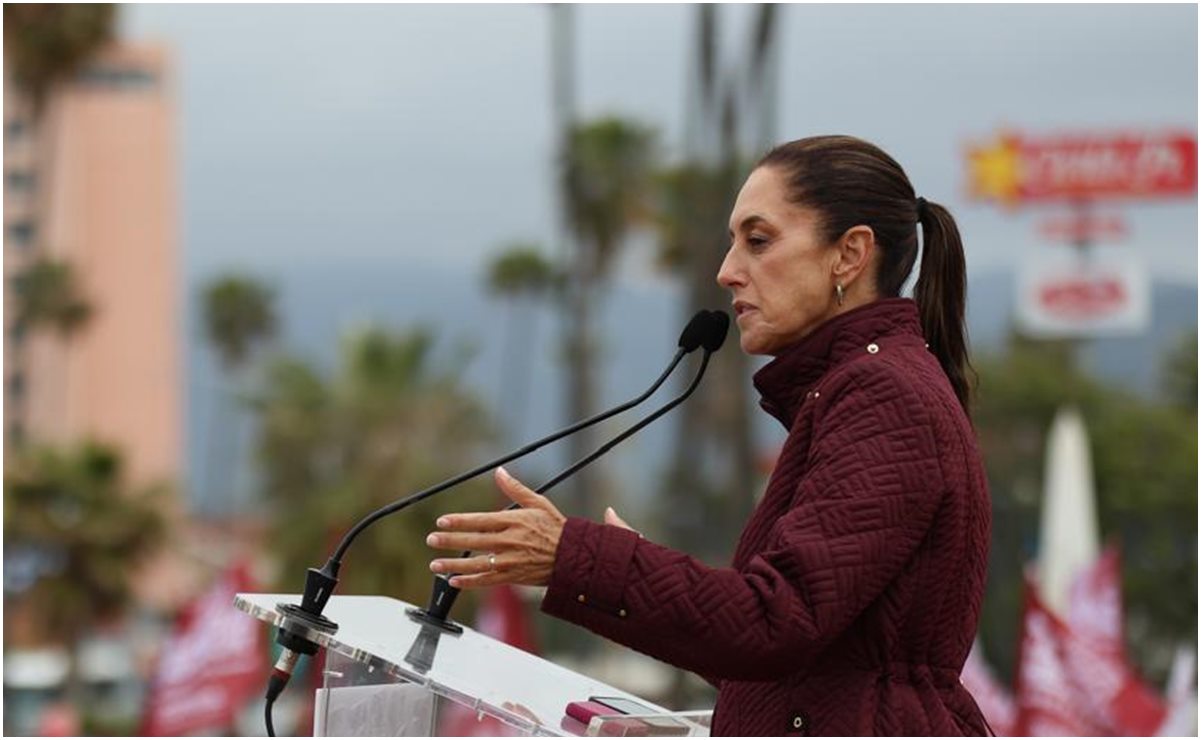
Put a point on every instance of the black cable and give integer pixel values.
(275, 686)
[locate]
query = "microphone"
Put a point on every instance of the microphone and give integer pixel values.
(711, 336)
(300, 623)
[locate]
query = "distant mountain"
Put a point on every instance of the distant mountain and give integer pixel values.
(318, 302)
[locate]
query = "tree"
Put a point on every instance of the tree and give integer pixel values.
(47, 43)
(49, 296)
(606, 178)
(78, 532)
(521, 276)
(389, 422)
(1180, 374)
(239, 316)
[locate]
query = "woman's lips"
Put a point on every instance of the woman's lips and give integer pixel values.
(741, 309)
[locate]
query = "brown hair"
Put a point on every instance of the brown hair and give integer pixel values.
(850, 182)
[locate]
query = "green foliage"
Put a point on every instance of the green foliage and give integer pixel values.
(1180, 374)
(1145, 470)
(389, 422)
(47, 43)
(522, 270)
(73, 509)
(607, 178)
(49, 296)
(238, 314)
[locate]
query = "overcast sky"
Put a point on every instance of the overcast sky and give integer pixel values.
(422, 134)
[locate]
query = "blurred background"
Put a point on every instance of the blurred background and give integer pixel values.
(268, 268)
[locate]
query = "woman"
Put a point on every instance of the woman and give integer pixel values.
(854, 593)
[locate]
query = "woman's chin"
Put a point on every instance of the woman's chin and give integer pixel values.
(752, 344)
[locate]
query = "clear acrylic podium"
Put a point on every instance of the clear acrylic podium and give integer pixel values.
(387, 675)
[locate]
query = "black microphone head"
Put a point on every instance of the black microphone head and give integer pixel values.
(715, 332)
(694, 334)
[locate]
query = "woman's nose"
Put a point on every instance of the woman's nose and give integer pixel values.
(728, 276)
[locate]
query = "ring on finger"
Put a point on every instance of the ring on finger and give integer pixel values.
(492, 561)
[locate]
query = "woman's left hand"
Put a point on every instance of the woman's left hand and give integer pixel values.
(516, 546)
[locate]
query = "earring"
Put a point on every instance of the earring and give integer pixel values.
(839, 293)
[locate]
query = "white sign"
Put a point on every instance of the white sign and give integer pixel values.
(1063, 293)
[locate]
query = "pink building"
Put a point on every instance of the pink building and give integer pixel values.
(96, 186)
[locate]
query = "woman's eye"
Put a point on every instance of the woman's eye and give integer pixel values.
(756, 241)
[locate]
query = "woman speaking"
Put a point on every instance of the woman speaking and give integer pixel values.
(853, 596)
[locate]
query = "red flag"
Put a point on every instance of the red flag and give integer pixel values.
(993, 699)
(1046, 699)
(505, 617)
(211, 665)
(1094, 649)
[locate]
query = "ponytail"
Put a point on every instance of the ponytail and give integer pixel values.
(941, 296)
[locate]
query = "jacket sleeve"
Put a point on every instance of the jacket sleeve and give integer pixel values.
(871, 490)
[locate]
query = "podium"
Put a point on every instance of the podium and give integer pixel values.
(387, 674)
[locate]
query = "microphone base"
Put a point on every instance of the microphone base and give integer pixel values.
(424, 617)
(291, 634)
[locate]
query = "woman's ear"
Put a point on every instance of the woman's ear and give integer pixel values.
(854, 253)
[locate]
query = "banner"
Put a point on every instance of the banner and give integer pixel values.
(212, 664)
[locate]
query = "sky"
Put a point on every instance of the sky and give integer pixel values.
(423, 134)
(369, 159)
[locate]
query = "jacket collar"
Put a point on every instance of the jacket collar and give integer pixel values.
(783, 382)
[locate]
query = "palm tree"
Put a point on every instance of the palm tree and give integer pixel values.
(606, 179)
(389, 422)
(48, 296)
(691, 205)
(239, 316)
(521, 276)
(78, 533)
(46, 44)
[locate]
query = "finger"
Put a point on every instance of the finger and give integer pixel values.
(481, 580)
(485, 563)
(612, 519)
(482, 521)
(517, 491)
(468, 541)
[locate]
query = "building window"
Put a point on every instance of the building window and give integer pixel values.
(19, 181)
(16, 333)
(15, 129)
(19, 234)
(14, 390)
(118, 78)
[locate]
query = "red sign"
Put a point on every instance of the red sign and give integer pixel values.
(1084, 228)
(210, 667)
(1015, 169)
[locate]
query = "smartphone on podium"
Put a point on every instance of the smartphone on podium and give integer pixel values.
(659, 723)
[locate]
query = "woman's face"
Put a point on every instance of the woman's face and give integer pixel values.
(779, 274)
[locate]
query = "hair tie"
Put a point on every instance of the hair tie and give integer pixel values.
(921, 209)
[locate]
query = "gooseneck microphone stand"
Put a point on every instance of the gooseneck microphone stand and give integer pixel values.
(298, 621)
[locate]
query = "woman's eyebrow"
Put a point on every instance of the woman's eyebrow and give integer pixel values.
(749, 221)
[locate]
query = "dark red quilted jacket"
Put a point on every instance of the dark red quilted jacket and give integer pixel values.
(853, 596)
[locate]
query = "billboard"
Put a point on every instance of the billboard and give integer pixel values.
(1066, 294)
(1016, 169)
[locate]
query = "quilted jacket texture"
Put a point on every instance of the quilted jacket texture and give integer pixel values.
(854, 593)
